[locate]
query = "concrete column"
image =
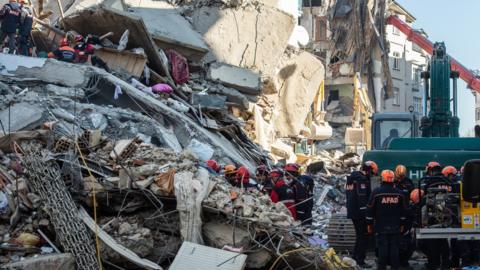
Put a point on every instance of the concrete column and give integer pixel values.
(377, 77)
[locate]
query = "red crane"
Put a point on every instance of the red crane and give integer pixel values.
(472, 81)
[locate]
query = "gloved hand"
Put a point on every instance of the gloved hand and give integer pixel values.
(369, 229)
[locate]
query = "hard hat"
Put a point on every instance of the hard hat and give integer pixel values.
(448, 170)
(401, 170)
(276, 173)
(64, 42)
(261, 170)
(291, 168)
(78, 38)
(229, 169)
(242, 175)
(415, 195)
(212, 164)
(431, 165)
(370, 165)
(388, 176)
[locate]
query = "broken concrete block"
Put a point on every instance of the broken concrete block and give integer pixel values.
(219, 235)
(212, 102)
(125, 180)
(123, 149)
(156, 189)
(259, 260)
(20, 116)
(242, 79)
(300, 77)
(64, 261)
(240, 30)
(73, 93)
(143, 184)
(169, 29)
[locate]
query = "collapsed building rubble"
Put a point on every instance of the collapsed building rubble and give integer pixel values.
(132, 155)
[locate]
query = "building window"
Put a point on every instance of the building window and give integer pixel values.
(396, 61)
(333, 95)
(477, 114)
(416, 79)
(320, 29)
(395, 31)
(396, 96)
(417, 104)
(312, 3)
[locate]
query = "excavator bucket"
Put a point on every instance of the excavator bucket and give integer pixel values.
(320, 129)
(354, 136)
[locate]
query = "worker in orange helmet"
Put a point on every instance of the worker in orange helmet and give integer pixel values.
(358, 189)
(230, 172)
(450, 173)
(386, 217)
(402, 181)
(64, 52)
(281, 192)
(407, 242)
(433, 168)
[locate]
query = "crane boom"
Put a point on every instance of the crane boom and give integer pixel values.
(466, 75)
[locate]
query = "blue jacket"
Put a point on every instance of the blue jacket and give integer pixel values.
(10, 15)
(387, 209)
(358, 191)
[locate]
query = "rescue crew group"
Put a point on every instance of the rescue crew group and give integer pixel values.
(389, 212)
(284, 184)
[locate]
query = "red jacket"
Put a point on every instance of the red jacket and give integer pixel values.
(283, 193)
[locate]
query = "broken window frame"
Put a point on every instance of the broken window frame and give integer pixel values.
(312, 3)
(320, 28)
(395, 31)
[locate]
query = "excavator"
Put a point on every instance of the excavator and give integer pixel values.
(413, 140)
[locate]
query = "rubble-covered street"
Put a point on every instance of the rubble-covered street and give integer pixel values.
(103, 163)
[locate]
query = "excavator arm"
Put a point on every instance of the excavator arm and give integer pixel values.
(466, 75)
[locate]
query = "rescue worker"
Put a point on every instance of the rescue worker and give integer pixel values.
(265, 184)
(242, 177)
(25, 28)
(299, 190)
(281, 192)
(436, 250)
(10, 17)
(82, 49)
(386, 217)
(230, 171)
(212, 166)
(358, 189)
(402, 181)
(64, 53)
(407, 242)
(309, 184)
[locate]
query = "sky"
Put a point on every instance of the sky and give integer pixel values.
(457, 23)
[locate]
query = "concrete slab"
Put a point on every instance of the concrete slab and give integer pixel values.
(169, 28)
(252, 36)
(63, 261)
(242, 79)
(22, 116)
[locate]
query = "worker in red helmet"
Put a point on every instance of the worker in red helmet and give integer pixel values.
(386, 216)
(358, 189)
(64, 52)
(242, 177)
(281, 192)
(212, 166)
(299, 192)
(82, 49)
